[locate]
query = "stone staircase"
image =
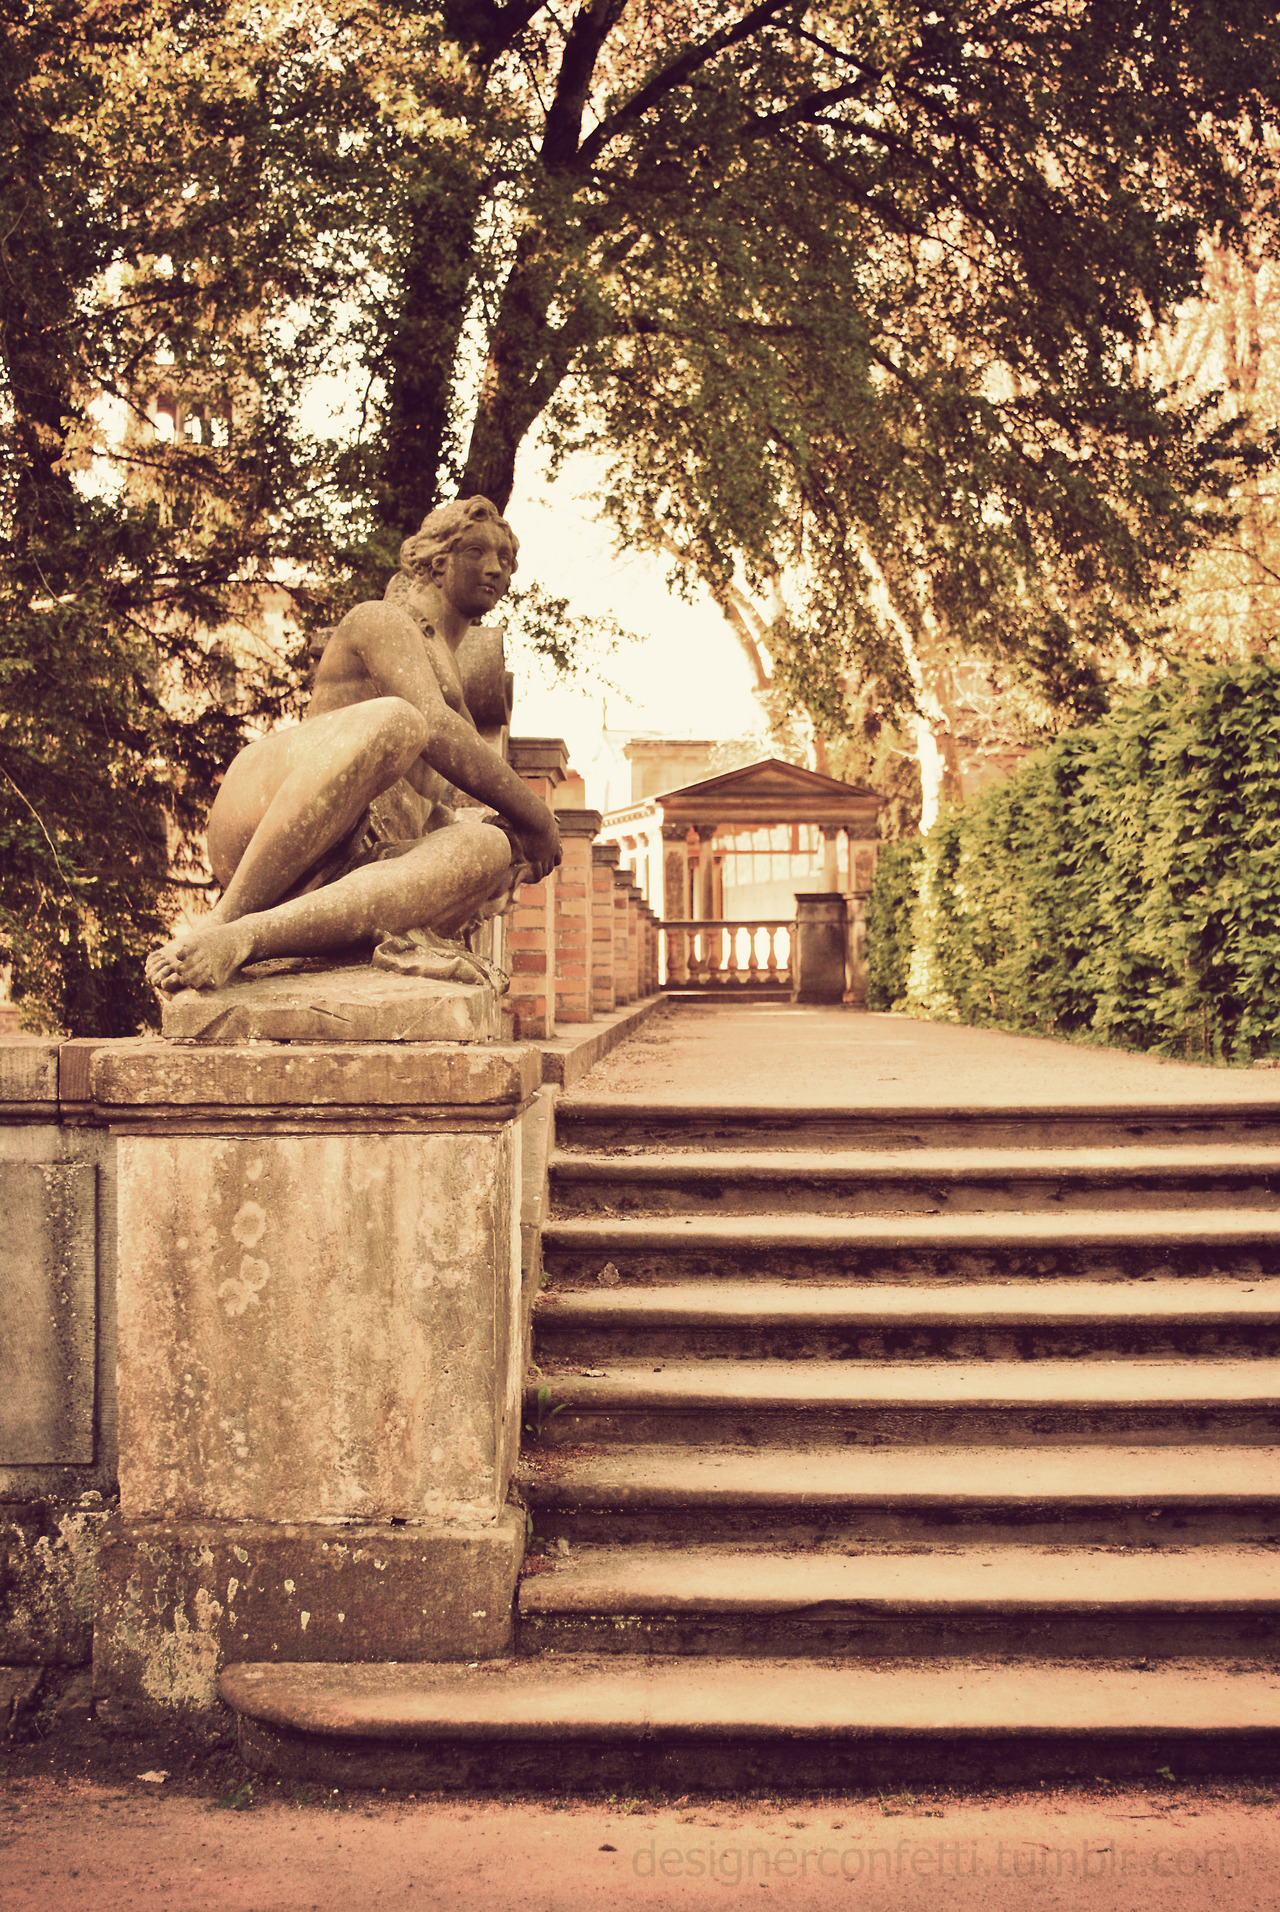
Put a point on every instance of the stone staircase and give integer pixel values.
(877, 1446)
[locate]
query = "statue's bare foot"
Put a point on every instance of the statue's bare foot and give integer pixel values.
(202, 958)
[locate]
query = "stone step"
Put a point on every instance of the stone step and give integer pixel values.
(920, 1182)
(772, 1320)
(1085, 1245)
(582, 1722)
(1037, 1402)
(1015, 1602)
(633, 1126)
(842, 1496)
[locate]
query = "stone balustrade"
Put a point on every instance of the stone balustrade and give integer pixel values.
(720, 955)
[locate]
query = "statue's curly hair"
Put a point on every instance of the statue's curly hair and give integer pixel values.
(442, 530)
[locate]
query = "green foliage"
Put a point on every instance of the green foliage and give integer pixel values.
(139, 280)
(859, 290)
(1124, 885)
(889, 921)
(542, 1412)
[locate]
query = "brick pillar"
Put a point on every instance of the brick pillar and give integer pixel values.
(650, 951)
(641, 934)
(627, 943)
(575, 954)
(643, 915)
(542, 762)
(623, 984)
(604, 857)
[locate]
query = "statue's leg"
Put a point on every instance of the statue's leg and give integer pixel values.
(438, 885)
(288, 798)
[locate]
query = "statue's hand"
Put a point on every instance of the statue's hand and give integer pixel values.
(542, 848)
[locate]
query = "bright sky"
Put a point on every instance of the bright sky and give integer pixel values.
(686, 677)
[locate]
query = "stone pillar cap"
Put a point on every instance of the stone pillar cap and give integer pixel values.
(578, 823)
(539, 757)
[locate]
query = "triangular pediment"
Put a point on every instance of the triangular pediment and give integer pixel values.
(768, 779)
(767, 793)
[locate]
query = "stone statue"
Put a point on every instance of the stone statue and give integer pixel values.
(334, 831)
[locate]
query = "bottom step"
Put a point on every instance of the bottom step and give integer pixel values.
(584, 1724)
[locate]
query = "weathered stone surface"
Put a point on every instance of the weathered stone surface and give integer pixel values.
(28, 1069)
(176, 1601)
(47, 1311)
(160, 1074)
(358, 1004)
(719, 1724)
(821, 938)
(318, 1326)
(48, 1553)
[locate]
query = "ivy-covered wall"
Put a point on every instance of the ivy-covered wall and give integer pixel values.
(1123, 886)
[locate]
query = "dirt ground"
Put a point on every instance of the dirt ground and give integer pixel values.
(177, 1824)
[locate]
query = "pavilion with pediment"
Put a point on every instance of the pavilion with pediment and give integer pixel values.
(738, 847)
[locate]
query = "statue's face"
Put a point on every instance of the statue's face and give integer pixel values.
(477, 572)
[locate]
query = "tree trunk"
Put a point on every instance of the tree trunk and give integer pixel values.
(421, 354)
(527, 360)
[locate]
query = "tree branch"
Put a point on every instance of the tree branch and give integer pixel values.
(674, 75)
(592, 25)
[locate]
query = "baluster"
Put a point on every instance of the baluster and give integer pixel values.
(713, 956)
(731, 956)
(771, 954)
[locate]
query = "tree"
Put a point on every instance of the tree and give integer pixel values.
(1224, 346)
(134, 277)
(857, 294)
(752, 250)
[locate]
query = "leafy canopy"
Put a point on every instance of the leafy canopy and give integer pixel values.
(856, 290)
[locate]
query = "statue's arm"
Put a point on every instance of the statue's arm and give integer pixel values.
(389, 645)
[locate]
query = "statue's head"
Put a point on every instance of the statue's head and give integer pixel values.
(422, 556)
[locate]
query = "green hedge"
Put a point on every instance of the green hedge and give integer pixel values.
(1123, 886)
(889, 913)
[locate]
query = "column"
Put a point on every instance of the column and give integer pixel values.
(574, 899)
(862, 869)
(831, 856)
(542, 762)
(706, 873)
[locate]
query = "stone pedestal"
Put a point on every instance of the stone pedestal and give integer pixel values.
(820, 951)
(319, 1355)
(357, 1004)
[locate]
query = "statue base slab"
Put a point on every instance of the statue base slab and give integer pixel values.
(176, 1600)
(357, 1004)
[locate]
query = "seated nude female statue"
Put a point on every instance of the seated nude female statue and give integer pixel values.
(335, 831)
